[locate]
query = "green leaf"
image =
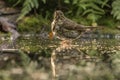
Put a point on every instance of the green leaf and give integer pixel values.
(116, 9)
(118, 16)
(17, 3)
(67, 1)
(91, 11)
(75, 1)
(31, 3)
(93, 17)
(105, 3)
(102, 3)
(87, 11)
(94, 6)
(84, 6)
(85, 1)
(35, 3)
(27, 7)
(44, 1)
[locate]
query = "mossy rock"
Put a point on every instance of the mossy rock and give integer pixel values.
(32, 24)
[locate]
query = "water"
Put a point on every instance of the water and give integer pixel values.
(38, 45)
(87, 39)
(92, 56)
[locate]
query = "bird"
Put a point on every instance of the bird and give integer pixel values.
(64, 28)
(7, 27)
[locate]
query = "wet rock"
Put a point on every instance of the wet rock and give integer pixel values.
(9, 12)
(2, 4)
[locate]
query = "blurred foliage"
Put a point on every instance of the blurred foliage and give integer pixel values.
(91, 10)
(116, 9)
(28, 5)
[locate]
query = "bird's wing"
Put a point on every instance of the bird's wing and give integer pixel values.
(71, 25)
(68, 24)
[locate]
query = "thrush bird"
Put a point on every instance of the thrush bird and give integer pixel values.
(66, 30)
(63, 28)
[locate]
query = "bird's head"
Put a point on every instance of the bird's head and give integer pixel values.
(58, 14)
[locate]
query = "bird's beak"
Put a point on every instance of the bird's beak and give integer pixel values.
(51, 35)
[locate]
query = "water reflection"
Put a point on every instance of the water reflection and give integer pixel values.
(87, 40)
(88, 44)
(43, 39)
(92, 55)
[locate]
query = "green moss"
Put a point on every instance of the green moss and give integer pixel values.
(32, 24)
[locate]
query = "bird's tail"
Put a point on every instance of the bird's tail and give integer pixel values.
(84, 28)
